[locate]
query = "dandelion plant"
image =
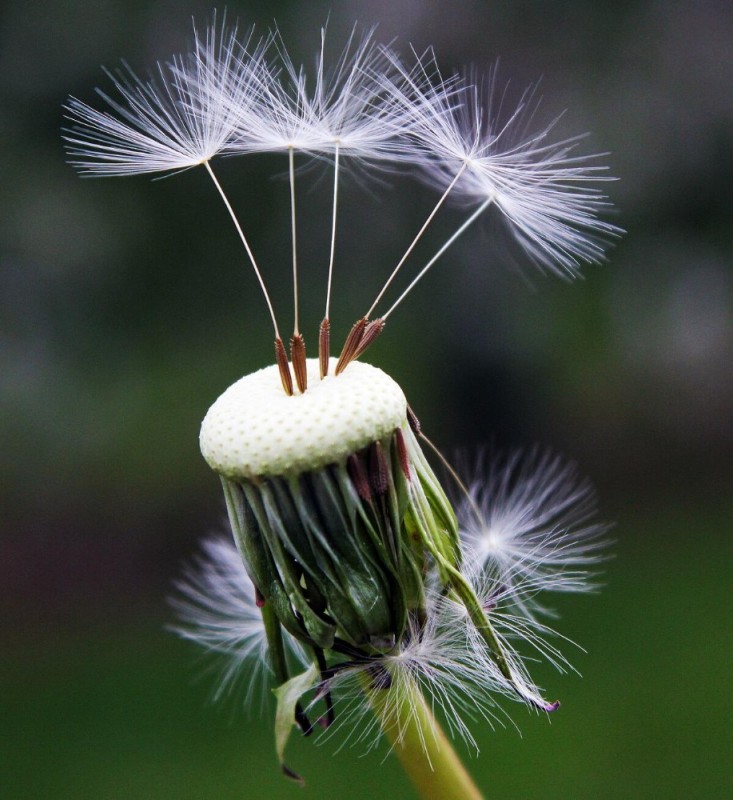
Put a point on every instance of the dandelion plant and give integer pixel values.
(369, 591)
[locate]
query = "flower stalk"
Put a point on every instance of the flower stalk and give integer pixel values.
(422, 747)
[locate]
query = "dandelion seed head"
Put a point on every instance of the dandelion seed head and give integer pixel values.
(349, 556)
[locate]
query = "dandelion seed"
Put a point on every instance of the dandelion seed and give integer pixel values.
(482, 157)
(180, 119)
(529, 518)
(218, 607)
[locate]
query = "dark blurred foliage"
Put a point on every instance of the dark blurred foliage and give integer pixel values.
(126, 307)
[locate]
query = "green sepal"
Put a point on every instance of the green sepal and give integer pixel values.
(256, 556)
(275, 647)
(270, 524)
(309, 526)
(432, 512)
(361, 575)
(288, 696)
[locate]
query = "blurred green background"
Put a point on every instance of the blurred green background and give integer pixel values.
(126, 307)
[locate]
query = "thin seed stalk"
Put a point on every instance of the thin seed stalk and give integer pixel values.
(422, 747)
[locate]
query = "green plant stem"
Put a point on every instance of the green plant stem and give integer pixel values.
(426, 755)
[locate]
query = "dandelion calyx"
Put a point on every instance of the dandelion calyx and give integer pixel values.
(333, 506)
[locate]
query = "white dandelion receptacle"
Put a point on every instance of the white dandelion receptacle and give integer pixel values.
(255, 430)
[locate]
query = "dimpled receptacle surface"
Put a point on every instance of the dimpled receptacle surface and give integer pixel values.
(255, 430)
